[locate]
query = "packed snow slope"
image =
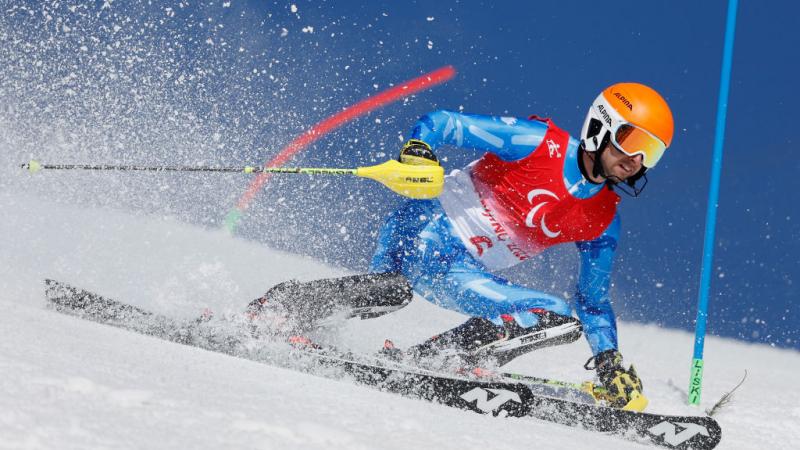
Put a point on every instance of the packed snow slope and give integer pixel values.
(69, 384)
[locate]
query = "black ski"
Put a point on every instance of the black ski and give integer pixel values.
(503, 398)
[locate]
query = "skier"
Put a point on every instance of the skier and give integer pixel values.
(535, 187)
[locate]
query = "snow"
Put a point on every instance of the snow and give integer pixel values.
(67, 383)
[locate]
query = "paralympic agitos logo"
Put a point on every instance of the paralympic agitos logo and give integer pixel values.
(529, 219)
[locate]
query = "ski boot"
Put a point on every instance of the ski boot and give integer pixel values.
(551, 329)
(295, 307)
(621, 388)
(480, 340)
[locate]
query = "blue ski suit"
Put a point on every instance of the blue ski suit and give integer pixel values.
(419, 240)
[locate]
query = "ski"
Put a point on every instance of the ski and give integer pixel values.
(507, 398)
(510, 395)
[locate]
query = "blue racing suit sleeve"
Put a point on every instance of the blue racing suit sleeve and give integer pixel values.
(592, 302)
(509, 138)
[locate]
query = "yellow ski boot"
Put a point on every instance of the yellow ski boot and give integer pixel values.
(620, 388)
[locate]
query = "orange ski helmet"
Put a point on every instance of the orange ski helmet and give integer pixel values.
(634, 117)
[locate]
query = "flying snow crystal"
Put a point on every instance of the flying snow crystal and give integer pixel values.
(430, 45)
(284, 32)
(659, 285)
(293, 8)
(429, 19)
(226, 4)
(308, 29)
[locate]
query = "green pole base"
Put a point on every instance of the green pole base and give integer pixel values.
(696, 382)
(232, 220)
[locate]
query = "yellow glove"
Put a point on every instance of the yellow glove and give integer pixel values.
(417, 153)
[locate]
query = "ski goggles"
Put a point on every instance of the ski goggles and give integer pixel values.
(626, 137)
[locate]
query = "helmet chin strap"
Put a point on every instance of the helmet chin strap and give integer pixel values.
(598, 171)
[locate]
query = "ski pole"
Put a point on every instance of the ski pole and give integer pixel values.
(419, 182)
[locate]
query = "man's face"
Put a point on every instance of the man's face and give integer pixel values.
(618, 165)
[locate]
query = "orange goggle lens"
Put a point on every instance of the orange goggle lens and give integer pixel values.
(636, 141)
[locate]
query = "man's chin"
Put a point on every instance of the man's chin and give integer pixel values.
(620, 177)
(623, 174)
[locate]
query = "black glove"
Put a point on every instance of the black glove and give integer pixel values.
(417, 153)
(622, 386)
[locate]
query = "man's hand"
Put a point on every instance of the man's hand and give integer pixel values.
(417, 153)
(623, 388)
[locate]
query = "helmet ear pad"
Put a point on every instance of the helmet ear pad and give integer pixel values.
(591, 139)
(595, 127)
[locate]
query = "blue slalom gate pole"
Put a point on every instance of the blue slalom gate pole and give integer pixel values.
(696, 380)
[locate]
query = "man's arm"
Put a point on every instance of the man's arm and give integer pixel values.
(509, 138)
(592, 302)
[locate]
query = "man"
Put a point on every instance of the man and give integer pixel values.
(535, 187)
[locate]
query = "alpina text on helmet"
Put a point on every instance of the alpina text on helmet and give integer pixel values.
(624, 100)
(606, 116)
